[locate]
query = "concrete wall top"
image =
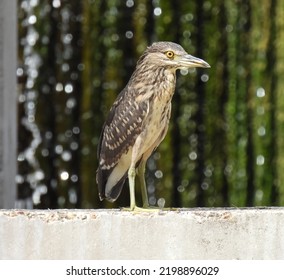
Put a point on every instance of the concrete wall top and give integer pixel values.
(199, 233)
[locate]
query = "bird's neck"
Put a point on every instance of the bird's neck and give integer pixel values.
(151, 80)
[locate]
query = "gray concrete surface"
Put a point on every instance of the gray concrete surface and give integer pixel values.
(115, 234)
(8, 102)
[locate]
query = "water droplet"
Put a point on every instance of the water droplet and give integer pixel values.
(159, 174)
(161, 202)
(193, 155)
(61, 201)
(56, 3)
(204, 186)
(66, 156)
(260, 110)
(261, 131)
(67, 38)
(259, 195)
(81, 66)
(74, 146)
(65, 68)
(129, 3)
(260, 159)
(208, 172)
(48, 135)
(229, 28)
(228, 169)
(114, 37)
(32, 38)
(204, 78)
(76, 130)
(129, 34)
(30, 105)
(33, 3)
(68, 88)
(189, 17)
(36, 197)
(22, 98)
(33, 73)
(64, 175)
(19, 179)
(74, 178)
(44, 152)
(68, 133)
(20, 71)
(39, 175)
(71, 103)
(32, 19)
(42, 189)
(58, 149)
(152, 200)
(59, 87)
(72, 196)
(183, 71)
(31, 94)
(260, 92)
(31, 119)
(157, 11)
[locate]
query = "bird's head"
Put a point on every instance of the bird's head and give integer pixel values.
(170, 55)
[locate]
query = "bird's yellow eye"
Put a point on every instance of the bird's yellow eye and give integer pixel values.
(170, 54)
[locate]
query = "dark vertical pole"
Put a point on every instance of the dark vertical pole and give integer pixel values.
(149, 25)
(76, 29)
(271, 73)
(200, 103)
(224, 90)
(176, 136)
(47, 100)
(249, 95)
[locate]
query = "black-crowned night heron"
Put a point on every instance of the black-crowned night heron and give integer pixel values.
(138, 120)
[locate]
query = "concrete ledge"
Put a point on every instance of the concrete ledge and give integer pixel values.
(113, 234)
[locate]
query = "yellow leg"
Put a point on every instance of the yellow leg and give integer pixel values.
(141, 174)
(131, 180)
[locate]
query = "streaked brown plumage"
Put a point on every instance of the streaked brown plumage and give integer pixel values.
(138, 120)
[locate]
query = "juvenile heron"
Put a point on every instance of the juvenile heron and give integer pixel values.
(138, 120)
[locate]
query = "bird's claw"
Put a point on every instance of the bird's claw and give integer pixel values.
(149, 209)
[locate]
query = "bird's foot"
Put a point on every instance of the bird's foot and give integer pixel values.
(157, 208)
(140, 209)
(149, 209)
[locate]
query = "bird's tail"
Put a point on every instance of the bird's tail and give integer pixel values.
(109, 193)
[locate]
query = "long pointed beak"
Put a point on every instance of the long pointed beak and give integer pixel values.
(190, 61)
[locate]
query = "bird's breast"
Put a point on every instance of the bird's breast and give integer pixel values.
(156, 123)
(158, 95)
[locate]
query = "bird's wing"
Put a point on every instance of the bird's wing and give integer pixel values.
(123, 125)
